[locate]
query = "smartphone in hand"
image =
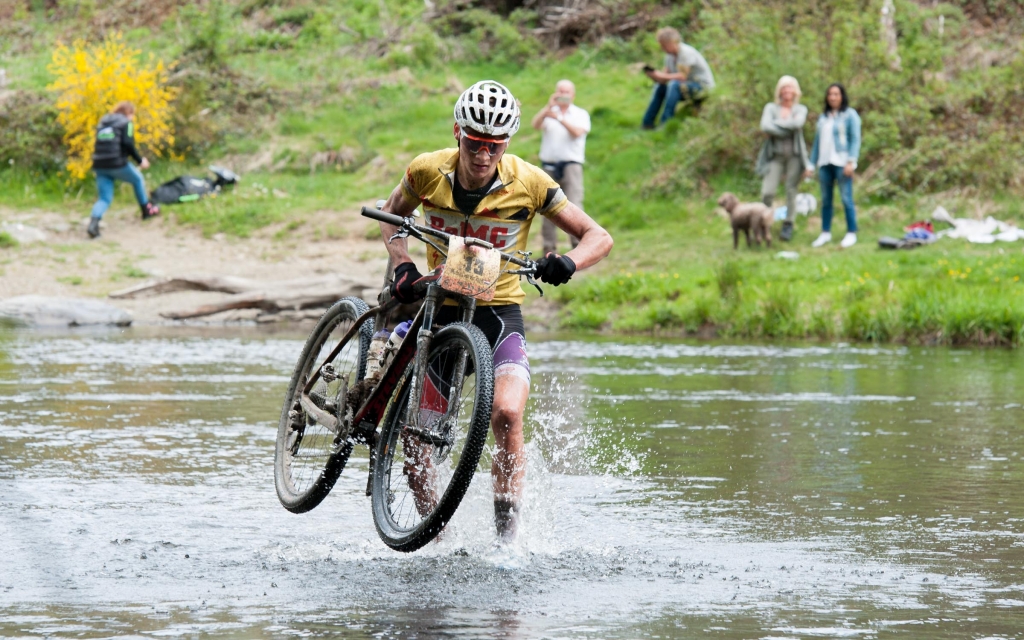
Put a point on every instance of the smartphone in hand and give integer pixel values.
(648, 68)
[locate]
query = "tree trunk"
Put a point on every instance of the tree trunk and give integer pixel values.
(889, 34)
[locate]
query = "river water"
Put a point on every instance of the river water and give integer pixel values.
(675, 489)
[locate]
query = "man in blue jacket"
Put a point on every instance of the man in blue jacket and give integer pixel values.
(115, 143)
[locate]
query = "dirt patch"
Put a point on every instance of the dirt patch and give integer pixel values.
(129, 251)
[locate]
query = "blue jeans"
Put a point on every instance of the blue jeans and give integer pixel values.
(670, 94)
(105, 179)
(828, 176)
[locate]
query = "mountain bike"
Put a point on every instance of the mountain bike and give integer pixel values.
(422, 405)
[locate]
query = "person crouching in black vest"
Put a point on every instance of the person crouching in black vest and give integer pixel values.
(115, 142)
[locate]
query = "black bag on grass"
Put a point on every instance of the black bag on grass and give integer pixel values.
(189, 189)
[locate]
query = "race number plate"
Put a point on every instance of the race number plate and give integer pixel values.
(471, 270)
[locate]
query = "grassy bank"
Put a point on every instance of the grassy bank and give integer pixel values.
(948, 295)
(335, 114)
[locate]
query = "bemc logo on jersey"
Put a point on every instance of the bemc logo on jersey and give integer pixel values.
(501, 236)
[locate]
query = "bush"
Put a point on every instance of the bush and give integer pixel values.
(209, 30)
(293, 16)
(489, 37)
(90, 80)
(30, 137)
(261, 40)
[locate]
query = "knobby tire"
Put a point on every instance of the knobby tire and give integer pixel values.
(391, 481)
(309, 459)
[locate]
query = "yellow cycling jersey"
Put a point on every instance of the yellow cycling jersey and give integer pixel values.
(502, 218)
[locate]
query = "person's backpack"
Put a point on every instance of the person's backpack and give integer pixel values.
(189, 189)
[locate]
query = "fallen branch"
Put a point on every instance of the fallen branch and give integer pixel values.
(269, 297)
(223, 284)
(273, 301)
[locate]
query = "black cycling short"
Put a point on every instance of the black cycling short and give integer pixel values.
(504, 329)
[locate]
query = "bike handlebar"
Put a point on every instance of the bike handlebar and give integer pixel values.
(383, 216)
(410, 225)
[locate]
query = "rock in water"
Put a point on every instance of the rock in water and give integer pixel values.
(41, 311)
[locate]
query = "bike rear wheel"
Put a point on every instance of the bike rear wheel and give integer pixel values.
(422, 471)
(310, 456)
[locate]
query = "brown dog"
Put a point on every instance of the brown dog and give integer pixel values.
(747, 217)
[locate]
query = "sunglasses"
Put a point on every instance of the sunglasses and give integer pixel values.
(474, 145)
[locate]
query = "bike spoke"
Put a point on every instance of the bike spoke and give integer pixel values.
(426, 455)
(316, 444)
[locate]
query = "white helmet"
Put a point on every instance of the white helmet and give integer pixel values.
(489, 108)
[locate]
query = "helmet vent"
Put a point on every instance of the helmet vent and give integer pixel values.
(489, 108)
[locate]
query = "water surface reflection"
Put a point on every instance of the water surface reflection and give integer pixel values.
(675, 489)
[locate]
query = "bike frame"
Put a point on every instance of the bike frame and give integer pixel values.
(369, 415)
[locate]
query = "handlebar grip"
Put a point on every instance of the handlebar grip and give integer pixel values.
(382, 216)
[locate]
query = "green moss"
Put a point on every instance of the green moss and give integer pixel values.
(7, 241)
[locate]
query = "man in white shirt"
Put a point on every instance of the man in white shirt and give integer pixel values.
(564, 128)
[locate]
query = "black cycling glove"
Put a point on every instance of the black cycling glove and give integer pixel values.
(555, 269)
(405, 274)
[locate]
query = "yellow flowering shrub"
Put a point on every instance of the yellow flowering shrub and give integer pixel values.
(91, 79)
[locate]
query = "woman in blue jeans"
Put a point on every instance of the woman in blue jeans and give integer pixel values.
(836, 147)
(115, 143)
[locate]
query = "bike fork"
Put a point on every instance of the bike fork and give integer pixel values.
(423, 339)
(466, 307)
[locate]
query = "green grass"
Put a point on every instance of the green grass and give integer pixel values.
(6, 241)
(944, 294)
(673, 268)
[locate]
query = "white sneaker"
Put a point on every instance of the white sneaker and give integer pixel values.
(849, 240)
(822, 240)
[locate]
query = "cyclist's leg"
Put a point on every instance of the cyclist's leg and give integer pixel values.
(504, 329)
(508, 469)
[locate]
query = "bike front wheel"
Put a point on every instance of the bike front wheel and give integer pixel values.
(422, 470)
(310, 455)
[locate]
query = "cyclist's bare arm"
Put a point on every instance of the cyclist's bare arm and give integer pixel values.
(595, 242)
(400, 205)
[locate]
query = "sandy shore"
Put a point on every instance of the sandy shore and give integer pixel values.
(129, 252)
(67, 263)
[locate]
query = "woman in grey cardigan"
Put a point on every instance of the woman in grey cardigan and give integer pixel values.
(784, 151)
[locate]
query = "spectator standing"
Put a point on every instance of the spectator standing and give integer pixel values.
(836, 147)
(115, 143)
(784, 152)
(564, 128)
(686, 76)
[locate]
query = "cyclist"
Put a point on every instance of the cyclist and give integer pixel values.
(479, 190)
